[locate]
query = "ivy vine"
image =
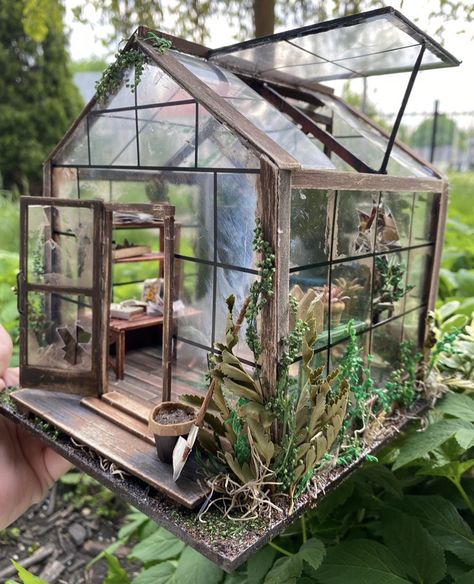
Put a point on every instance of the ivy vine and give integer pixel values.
(113, 76)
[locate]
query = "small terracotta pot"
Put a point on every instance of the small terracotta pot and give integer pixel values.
(337, 308)
(166, 435)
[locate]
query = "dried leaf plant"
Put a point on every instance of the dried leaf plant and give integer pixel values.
(261, 447)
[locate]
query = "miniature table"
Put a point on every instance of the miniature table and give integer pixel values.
(118, 329)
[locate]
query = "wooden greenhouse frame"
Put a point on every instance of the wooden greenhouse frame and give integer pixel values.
(114, 428)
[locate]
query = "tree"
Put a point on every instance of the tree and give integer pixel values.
(446, 132)
(38, 98)
(249, 17)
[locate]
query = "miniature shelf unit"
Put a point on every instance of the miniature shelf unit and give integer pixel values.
(213, 139)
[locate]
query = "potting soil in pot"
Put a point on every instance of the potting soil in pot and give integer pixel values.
(177, 416)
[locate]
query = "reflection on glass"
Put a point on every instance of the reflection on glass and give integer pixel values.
(219, 147)
(385, 350)
(424, 219)
(398, 206)
(193, 316)
(189, 370)
(390, 285)
(59, 331)
(236, 283)
(236, 207)
(419, 273)
(350, 296)
(156, 87)
(311, 216)
(354, 231)
(368, 143)
(308, 288)
(256, 109)
(75, 150)
(167, 135)
(338, 351)
(413, 325)
(60, 246)
(113, 139)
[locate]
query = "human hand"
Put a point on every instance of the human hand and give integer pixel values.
(28, 468)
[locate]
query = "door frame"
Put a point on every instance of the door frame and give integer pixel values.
(164, 213)
(81, 382)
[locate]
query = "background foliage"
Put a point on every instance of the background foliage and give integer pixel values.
(38, 99)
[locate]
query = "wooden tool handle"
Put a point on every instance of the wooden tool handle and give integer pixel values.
(205, 404)
(207, 400)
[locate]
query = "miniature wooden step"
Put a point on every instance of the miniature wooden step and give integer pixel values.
(124, 419)
(129, 452)
(128, 405)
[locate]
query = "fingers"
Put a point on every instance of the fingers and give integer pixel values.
(11, 377)
(6, 350)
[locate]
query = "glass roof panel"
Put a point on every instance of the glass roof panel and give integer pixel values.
(255, 108)
(364, 140)
(157, 87)
(376, 42)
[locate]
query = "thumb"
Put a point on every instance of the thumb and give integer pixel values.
(55, 464)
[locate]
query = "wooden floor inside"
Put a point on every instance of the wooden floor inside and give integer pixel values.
(143, 377)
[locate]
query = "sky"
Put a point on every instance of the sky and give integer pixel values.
(453, 87)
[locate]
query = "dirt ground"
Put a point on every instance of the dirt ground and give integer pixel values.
(58, 538)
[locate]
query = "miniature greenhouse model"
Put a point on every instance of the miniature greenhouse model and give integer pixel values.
(254, 184)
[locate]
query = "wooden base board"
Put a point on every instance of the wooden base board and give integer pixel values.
(128, 451)
(227, 552)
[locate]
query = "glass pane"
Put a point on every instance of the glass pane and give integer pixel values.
(355, 223)
(189, 370)
(65, 183)
(419, 275)
(193, 307)
(236, 206)
(403, 58)
(219, 147)
(390, 285)
(413, 325)
(167, 135)
(395, 225)
(360, 39)
(424, 219)
(367, 142)
(311, 216)
(385, 350)
(76, 149)
(380, 44)
(350, 296)
(157, 87)
(60, 246)
(192, 194)
(255, 108)
(59, 331)
(338, 351)
(113, 139)
(307, 288)
(236, 283)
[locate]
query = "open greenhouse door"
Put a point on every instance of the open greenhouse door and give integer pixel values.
(64, 295)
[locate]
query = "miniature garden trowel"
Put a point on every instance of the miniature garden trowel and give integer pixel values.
(184, 445)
